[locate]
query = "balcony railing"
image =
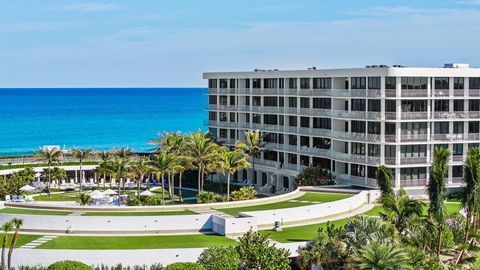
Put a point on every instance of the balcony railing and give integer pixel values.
(441, 93)
(413, 183)
(458, 93)
(414, 138)
(414, 93)
(413, 160)
(474, 93)
(457, 158)
(414, 115)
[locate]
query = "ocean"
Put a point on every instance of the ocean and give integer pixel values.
(99, 118)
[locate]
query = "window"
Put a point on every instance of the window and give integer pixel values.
(292, 158)
(247, 83)
(373, 128)
(358, 148)
(223, 116)
(232, 117)
(305, 122)
(358, 126)
(358, 105)
(411, 83)
(322, 143)
(270, 83)
(304, 160)
(458, 127)
(212, 99)
(232, 133)
(324, 123)
(322, 103)
(292, 121)
(270, 119)
(256, 101)
(390, 129)
(474, 83)
(304, 102)
(304, 83)
(441, 128)
(232, 100)
(390, 83)
(413, 173)
(292, 140)
(474, 105)
(372, 172)
(223, 100)
(442, 83)
(458, 105)
(457, 149)
(292, 102)
(390, 151)
(413, 128)
(458, 83)
(292, 83)
(358, 83)
(322, 83)
(374, 82)
(212, 83)
(281, 101)
(212, 116)
(257, 83)
(473, 127)
(304, 141)
(373, 150)
(413, 151)
(357, 170)
(256, 118)
(390, 106)
(442, 105)
(374, 105)
(281, 83)
(414, 106)
(457, 171)
(223, 83)
(223, 133)
(270, 101)
(270, 155)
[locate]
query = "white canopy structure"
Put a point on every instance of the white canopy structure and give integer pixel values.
(109, 192)
(96, 194)
(146, 193)
(27, 188)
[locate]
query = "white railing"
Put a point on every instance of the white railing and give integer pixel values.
(413, 160)
(414, 115)
(414, 93)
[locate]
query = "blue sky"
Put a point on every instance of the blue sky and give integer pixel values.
(155, 43)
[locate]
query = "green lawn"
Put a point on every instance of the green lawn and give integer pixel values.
(61, 197)
(22, 239)
(305, 233)
(318, 197)
(14, 210)
(137, 242)
(164, 213)
(20, 166)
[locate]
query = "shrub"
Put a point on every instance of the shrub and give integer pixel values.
(84, 199)
(314, 176)
(219, 258)
(185, 266)
(244, 193)
(68, 265)
(210, 197)
(133, 202)
(457, 224)
(154, 200)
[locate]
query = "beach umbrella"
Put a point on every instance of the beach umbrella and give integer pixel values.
(146, 193)
(109, 192)
(97, 194)
(27, 188)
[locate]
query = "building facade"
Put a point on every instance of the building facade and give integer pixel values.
(349, 121)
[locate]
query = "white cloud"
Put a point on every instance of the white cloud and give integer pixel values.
(159, 16)
(90, 7)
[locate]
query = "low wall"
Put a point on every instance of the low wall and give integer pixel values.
(40, 169)
(267, 218)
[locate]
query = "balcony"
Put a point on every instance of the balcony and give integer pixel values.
(457, 158)
(265, 91)
(458, 93)
(448, 137)
(413, 160)
(441, 93)
(450, 115)
(355, 180)
(414, 115)
(413, 183)
(414, 93)
(474, 93)
(390, 93)
(390, 161)
(414, 138)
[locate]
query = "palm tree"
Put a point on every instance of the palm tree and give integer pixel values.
(163, 164)
(141, 168)
(123, 152)
(200, 150)
(400, 209)
(378, 256)
(81, 155)
(363, 230)
(166, 141)
(471, 192)
(231, 162)
(7, 227)
(58, 174)
(104, 157)
(179, 145)
(384, 181)
(119, 168)
(436, 190)
(254, 146)
(17, 223)
(49, 155)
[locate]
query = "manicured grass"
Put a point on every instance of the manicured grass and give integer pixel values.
(309, 196)
(164, 213)
(61, 197)
(14, 210)
(305, 233)
(137, 242)
(22, 239)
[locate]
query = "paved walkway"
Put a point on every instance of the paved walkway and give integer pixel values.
(39, 241)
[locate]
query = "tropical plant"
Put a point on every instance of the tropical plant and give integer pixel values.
(378, 256)
(56, 173)
(140, 169)
(68, 265)
(400, 209)
(384, 181)
(256, 252)
(244, 193)
(210, 197)
(84, 199)
(119, 166)
(219, 258)
(254, 145)
(184, 266)
(104, 157)
(163, 164)
(51, 156)
(231, 162)
(81, 156)
(6, 227)
(471, 192)
(362, 231)
(17, 224)
(314, 176)
(436, 190)
(201, 150)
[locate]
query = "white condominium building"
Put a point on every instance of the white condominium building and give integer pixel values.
(349, 121)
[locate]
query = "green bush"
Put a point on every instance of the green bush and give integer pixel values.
(133, 202)
(154, 200)
(84, 199)
(68, 265)
(185, 266)
(314, 176)
(245, 193)
(210, 197)
(219, 258)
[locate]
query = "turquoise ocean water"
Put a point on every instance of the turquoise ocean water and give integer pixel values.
(98, 118)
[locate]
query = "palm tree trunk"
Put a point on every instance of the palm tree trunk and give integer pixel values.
(139, 184)
(48, 184)
(81, 176)
(12, 246)
(228, 187)
(4, 246)
(180, 187)
(110, 180)
(163, 189)
(467, 226)
(199, 179)
(439, 247)
(104, 180)
(118, 188)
